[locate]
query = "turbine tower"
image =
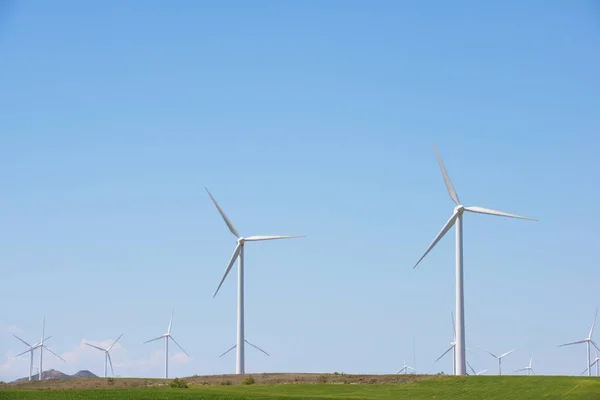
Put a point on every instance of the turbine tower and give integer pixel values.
(528, 368)
(107, 356)
(238, 254)
(166, 337)
(587, 341)
(499, 358)
(31, 348)
(457, 218)
(406, 367)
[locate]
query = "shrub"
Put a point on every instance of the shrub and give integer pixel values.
(322, 379)
(226, 383)
(249, 380)
(178, 383)
(111, 381)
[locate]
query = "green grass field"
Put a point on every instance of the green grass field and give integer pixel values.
(475, 388)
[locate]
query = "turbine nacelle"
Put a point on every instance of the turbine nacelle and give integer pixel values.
(241, 241)
(459, 209)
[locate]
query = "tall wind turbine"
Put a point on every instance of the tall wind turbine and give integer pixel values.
(31, 348)
(42, 346)
(166, 337)
(238, 254)
(587, 341)
(528, 368)
(457, 218)
(406, 367)
(499, 358)
(107, 356)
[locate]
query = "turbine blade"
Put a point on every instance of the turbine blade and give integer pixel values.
(227, 221)
(403, 369)
(115, 342)
(96, 347)
(235, 255)
(24, 342)
(595, 345)
(170, 321)
(440, 235)
(257, 348)
(231, 348)
(481, 372)
(568, 344)
(584, 371)
(507, 353)
(453, 325)
(532, 371)
(110, 362)
(447, 180)
(54, 353)
(521, 369)
(175, 341)
(43, 329)
(472, 370)
(259, 238)
(593, 325)
(489, 211)
(446, 352)
(152, 340)
(26, 351)
(489, 352)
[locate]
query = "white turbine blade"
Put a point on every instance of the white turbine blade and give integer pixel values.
(584, 371)
(593, 325)
(227, 221)
(26, 351)
(472, 370)
(235, 255)
(595, 345)
(440, 235)
(470, 351)
(115, 342)
(532, 371)
(257, 348)
(170, 322)
(481, 372)
(110, 362)
(403, 369)
(507, 353)
(489, 211)
(24, 342)
(447, 180)
(175, 341)
(569, 344)
(410, 368)
(489, 352)
(152, 340)
(521, 369)
(54, 353)
(96, 347)
(231, 348)
(446, 352)
(453, 325)
(257, 238)
(43, 329)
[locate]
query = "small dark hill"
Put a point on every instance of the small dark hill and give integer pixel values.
(53, 375)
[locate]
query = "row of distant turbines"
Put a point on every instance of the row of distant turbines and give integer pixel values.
(456, 219)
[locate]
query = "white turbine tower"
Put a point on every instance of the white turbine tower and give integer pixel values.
(499, 358)
(528, 368)
(247, 342)
(166, 337)
(238, 254)
(472, 370)
(457, 218)
(40, 345)
(596, 362)
(405, 368)
(107, 356)
(587, 341)
(31, 348)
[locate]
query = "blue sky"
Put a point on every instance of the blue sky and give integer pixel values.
(316, 119)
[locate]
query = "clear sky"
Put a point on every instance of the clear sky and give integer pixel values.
(313, 118)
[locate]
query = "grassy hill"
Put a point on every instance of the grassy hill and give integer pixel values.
(414, 388)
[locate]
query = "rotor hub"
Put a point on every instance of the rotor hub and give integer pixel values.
(459, 209)
(241, 241)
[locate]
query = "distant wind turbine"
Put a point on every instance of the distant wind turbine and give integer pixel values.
(166, 337)
(238, 254)
(587, 341)
(472, 370)
(528, 368)
(31, 348)
(452, 347)
(499, 358)
(42, 346)
(596, 362)
(107, 356)
(457, 217)
(406, 367)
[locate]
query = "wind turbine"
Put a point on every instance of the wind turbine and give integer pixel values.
(499, 358)
(107, 356)
(596, 362)
(247, 342)
(238, 254)
(31, 348)
(406, 367)
(452, 347)
(528, 368)
(457, 218)
(41, 346)
(166, 337)
(587, 341)
(472, 370)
